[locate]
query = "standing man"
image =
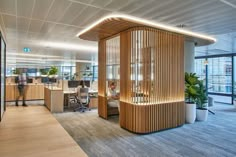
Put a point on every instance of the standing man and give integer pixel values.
(21, 81)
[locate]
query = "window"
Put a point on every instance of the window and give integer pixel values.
(220, 75)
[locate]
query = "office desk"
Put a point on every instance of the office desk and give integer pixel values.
(92, 95)
(67, 94)
(53, 99)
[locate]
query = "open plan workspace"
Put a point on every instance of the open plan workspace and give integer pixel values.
(117, 78)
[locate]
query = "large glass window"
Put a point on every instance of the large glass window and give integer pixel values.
(200, 68)
(220, 75)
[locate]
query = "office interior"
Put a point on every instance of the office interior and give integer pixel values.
(116, 78)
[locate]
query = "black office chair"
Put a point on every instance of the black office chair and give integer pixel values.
(82, 100)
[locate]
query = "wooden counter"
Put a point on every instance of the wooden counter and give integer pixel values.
(34, 92)
(54, 99)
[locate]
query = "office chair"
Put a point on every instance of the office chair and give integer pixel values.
(82, 100)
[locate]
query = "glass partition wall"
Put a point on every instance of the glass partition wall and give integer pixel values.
(113, 63)
(218, 73)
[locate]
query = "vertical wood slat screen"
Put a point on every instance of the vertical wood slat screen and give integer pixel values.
(152, 80)
(153, 66)
(102, 107)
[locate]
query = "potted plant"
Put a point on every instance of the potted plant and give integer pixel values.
(43, 72)
(191, 93)
(202, 111)
(53, 72)
(15, 72)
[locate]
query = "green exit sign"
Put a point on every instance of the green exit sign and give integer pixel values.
(26, 49)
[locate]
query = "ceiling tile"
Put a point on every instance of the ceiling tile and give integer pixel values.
(8, 6)
(22, 24)
(83, 1)
(9, 21)
(47, 27)
(132, 5)
(35, 26)
(41, 9)
(25, 8)
(57, 10)
(58, 29)
(94, 18)
(101, 3)
(115, 5)
(86, 14)
(73, 11)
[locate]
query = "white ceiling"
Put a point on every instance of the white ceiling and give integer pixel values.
(46, 26)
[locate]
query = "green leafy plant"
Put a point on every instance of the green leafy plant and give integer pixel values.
(16, 71)
(202, 95)
(53, 70)
(191, 87)
(43, 71)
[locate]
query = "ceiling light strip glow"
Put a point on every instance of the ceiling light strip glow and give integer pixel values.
(148, 23)
(228, 3)
(31, 55)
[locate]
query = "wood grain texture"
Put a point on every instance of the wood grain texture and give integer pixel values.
(151, 78)
(150, 118)
(54, 100)
(33, 132)
(34, 92)
(102, 106)
(112, 26)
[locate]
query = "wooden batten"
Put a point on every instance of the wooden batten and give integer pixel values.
(102, 107)
(151, 78)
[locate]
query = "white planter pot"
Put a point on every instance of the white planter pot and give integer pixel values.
(234, 103)
(53, 76)
(190, 112)
(202, 114)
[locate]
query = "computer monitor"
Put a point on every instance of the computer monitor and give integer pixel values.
(52, 80)
(29, 80)
(87, 83)
(44, 80)
(73, 84)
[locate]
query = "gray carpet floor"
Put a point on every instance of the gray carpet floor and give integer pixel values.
(105, 138)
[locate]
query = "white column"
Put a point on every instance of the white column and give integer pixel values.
(189, 55)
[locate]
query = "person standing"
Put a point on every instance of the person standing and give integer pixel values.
(21, 81)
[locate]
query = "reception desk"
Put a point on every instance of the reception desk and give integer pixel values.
(35, 91)
(53, 99)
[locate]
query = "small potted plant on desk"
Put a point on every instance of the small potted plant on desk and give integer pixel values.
(202, 111)
(53, 72)
(44, 72)
(191, 93)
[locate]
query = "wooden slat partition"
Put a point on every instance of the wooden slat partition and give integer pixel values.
(152, 80)
(102, 107)
(150, 118)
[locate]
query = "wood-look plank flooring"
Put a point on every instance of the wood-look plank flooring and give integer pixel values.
(99, 137)
(34, 132)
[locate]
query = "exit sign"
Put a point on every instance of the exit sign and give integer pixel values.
(26, 49)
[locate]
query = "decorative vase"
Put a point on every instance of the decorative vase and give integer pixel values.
(190, 112)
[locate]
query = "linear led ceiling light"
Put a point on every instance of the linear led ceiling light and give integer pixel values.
(147, 23)
(68, 46)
